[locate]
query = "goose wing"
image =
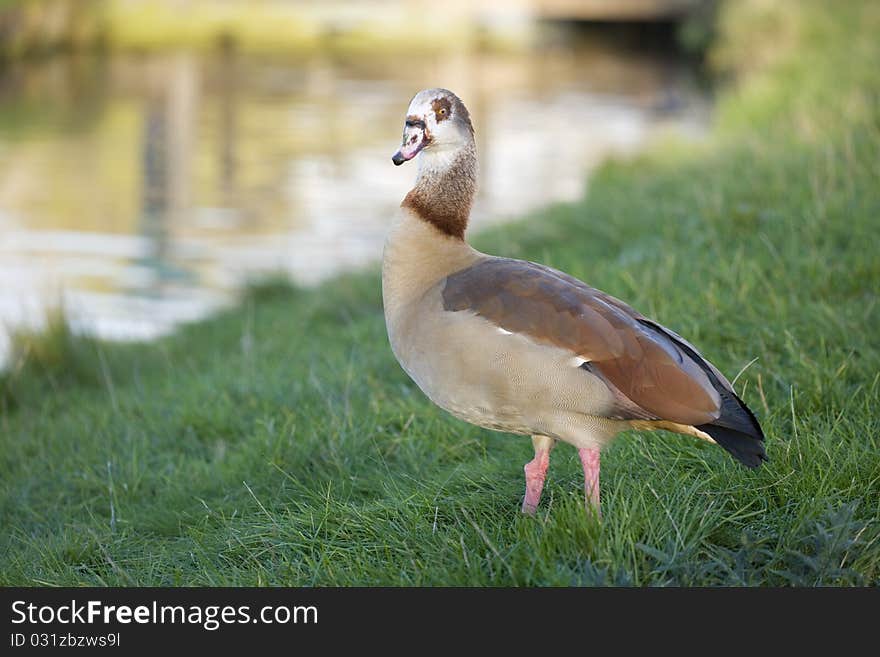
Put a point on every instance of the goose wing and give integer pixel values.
(653, 375)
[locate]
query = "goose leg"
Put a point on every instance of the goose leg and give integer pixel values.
(590, 461)
(536, 471)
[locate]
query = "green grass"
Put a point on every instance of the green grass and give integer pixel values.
(279, 443)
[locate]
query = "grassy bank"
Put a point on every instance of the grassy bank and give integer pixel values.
(279, 443)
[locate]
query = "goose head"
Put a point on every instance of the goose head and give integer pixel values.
(436, 122)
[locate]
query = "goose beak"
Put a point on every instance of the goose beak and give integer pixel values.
(415, 138)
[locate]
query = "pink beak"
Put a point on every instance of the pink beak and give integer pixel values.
(414, 140)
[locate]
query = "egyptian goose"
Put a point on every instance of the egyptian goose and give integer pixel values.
(518, 347)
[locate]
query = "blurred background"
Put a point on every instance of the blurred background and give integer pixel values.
(156, 155)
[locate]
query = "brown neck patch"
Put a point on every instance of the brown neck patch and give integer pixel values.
(444, 200)
(450, 221)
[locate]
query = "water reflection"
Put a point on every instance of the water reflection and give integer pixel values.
(142, 191)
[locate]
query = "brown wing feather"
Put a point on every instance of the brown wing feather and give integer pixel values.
(642, 365)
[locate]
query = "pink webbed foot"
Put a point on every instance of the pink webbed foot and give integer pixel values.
(536, 472)
(590, 461)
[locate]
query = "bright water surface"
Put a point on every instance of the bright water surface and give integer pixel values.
(143, 191)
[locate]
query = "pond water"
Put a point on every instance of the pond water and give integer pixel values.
(139, 192)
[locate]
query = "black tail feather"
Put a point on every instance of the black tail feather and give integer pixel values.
(736, 429)
(746, 449)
